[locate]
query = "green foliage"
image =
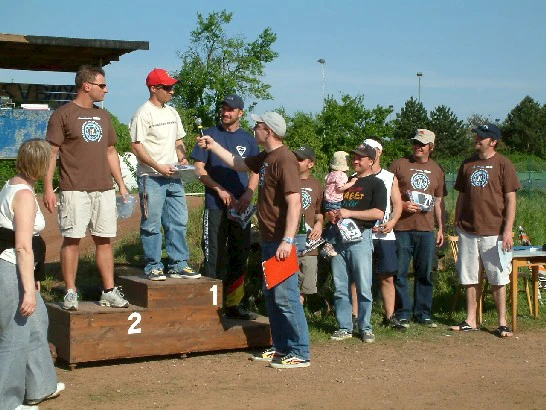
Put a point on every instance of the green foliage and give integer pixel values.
(124, 138)
(451, 136)
(525, 128)
(410, 118)
(216, 65)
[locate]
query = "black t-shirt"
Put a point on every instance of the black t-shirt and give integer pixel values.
(367, 193)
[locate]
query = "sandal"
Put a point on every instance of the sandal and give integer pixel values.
(503, 331)
(464, 327)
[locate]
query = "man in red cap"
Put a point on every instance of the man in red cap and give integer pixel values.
(156, 134)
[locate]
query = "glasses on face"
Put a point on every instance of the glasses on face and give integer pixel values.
(167, 88)
(419, 144)
(257, 126)
(102, 86)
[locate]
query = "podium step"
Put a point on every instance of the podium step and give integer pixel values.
(204, 292)
(169, 317)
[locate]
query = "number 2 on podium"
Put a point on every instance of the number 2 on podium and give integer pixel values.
(133, 328)
(214, 291)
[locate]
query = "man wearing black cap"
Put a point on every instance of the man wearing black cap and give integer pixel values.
(484, 218)
(311, 200)
(225, 243)
(364, 203)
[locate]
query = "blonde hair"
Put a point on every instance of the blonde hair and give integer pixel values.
(33, 158)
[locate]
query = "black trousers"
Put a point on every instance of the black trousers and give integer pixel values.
(226, 247)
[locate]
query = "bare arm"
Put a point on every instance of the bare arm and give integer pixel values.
(24, 209)
(293, 199)
(344, 187)
(316, 230)
(439, 212)
(246, 198)
(372, 214)
(458, 209)
(396, 200)
(507, 237)
(181, 151)
(142, 155)
(50, 200)
(115, 169)
(237, 163)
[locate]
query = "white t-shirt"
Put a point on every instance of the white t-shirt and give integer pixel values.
(7, 216)
(388, 179)
(157, 129)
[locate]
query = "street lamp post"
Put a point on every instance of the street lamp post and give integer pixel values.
(419, 75)
(390, 113)
(322, 62)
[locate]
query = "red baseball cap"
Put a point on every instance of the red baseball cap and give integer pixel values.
(158, 76)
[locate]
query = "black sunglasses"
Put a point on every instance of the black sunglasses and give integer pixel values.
(101, 86)
(167, 88)
(419, 143)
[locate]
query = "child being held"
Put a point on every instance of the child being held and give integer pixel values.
(337, 182)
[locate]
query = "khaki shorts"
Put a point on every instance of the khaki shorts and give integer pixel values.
(471, 249)
(307, 276)
(79, 210)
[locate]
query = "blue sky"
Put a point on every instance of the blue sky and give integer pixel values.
(476, 56)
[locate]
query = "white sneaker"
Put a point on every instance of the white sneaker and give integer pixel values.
(70, 301)
(24, 407)
(60, 388)
(113, 299)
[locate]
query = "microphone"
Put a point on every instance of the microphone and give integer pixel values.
(199, 124)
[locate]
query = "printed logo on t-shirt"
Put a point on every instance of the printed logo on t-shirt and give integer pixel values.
(479, 177)
(352, 196)
(241, 150)
(306, 198)
(420, 180)
(261, 181)
(91, 131)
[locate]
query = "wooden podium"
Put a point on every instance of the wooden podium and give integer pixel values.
(175, 316)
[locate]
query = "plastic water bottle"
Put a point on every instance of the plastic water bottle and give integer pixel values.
(127, 208)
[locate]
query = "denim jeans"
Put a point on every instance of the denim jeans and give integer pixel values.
(353, 263)
(420, 246)
(166, 207)
(286, 317)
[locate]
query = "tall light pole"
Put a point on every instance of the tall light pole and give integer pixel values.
(390, 113)
(322, 62)
(419, 75)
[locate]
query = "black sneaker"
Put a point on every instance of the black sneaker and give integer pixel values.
(393, 322)
(404, 323)
(428, 323)
(236, 312)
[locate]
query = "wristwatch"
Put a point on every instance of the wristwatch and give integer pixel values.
(288, 240)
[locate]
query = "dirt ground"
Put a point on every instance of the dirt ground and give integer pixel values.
(470, 370)
(449, 370)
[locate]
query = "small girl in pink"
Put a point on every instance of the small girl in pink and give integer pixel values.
(336, 184)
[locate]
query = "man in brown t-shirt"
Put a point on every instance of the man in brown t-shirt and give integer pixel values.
(279, 205)
(84, 137)
(484, 217)
(422, 186)
(311, 201)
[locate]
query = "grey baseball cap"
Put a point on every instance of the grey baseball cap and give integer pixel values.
(273, 120)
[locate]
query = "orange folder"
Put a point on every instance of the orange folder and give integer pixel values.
(276, 271)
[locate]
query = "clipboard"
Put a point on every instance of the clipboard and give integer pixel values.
(276, 271)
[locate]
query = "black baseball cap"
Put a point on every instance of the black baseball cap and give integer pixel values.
(364, 150)
(305, 152)
(234, 101)
(488, 131)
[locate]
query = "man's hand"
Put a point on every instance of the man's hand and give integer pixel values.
(166, 170)
(507, 241)
(333, 216)
(283, 251)
(344, 213)
(410, 207)
(206, 142)
(227, 197)
(386, 227)
(316, 232)
(50, 200)
(28, 305)
(123, 192)
(184, 161)
(243, 202)
(439, 238)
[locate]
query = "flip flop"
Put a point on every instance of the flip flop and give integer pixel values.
(503, 331)
(464, 327)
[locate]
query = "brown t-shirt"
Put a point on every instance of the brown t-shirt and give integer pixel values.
(83, 136)
(484, 183)
(428, 178)
(278, 176)
(311, 201)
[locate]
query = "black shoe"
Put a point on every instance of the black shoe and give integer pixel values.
(236, 312)
(392, 322)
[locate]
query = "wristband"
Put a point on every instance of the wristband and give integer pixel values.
(288, 240)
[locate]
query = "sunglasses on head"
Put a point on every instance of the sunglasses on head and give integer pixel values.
(102, 86)
(165, 87)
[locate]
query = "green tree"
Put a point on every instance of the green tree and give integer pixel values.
(122, 132)
(524, 128)
(451, 137)
(216, 65)
(410, 118)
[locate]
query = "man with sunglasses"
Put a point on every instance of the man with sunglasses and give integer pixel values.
(83, 136)
(423, 188)
(226, 244)
(157, 141)
(484, 218)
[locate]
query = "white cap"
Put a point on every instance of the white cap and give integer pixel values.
(273, 120)
(373, 144)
